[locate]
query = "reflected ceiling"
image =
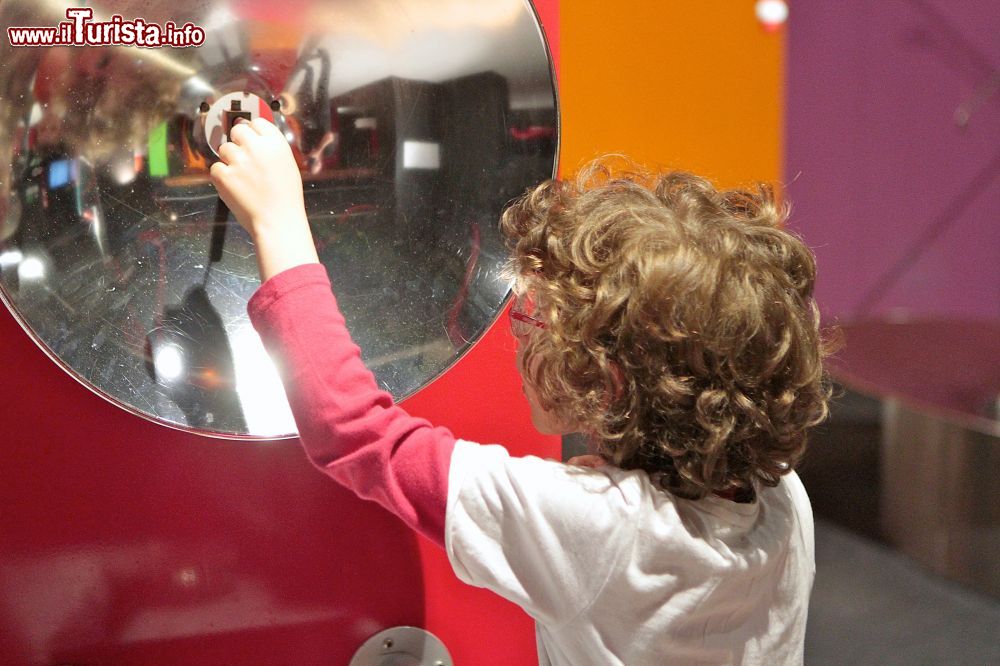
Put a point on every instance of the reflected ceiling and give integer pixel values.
(413, 123)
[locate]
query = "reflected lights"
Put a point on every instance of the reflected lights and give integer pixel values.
(169, 363)
(31, 268)
(771, 13)
(421, 155)
(10, 258)
(123, 170)
(258, 385)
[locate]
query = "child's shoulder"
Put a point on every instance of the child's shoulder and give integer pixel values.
(607, 494)
(557, 487)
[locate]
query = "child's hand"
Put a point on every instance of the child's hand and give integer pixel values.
(258, 179)
(257, 176)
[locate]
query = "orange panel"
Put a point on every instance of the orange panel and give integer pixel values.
(693, 85)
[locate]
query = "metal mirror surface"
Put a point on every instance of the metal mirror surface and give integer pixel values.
(413, 122)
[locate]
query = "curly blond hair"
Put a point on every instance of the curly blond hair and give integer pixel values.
(681, 330)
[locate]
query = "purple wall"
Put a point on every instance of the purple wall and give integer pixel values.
(894, 197)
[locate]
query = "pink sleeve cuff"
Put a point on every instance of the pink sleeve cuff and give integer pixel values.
(298, 277)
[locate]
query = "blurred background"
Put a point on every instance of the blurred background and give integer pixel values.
(122, 541)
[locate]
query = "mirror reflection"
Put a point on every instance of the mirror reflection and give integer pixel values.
(412, 122)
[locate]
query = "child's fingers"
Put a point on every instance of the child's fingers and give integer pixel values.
(265, 127)
(228, 186)
(229, 152)
(218, 172)
(220, 176)
(242, 132)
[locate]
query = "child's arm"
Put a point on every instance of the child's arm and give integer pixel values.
(349, 428)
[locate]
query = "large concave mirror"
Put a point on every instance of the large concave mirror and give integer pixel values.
(413, 122)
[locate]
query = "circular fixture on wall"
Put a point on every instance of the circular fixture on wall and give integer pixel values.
(412, 127)
(402, 646)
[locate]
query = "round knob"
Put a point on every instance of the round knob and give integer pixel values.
(402, 646)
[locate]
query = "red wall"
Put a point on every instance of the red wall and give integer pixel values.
(121, 540)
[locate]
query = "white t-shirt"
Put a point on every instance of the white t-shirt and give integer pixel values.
(617, 571)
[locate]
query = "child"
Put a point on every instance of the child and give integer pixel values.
(672, 323)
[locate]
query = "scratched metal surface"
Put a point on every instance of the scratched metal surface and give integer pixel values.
(413, 123)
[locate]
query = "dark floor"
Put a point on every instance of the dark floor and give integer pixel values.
(871, 605)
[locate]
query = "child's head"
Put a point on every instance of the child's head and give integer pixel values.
(679, 325)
